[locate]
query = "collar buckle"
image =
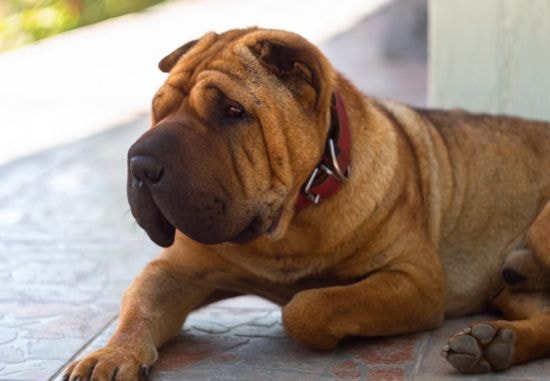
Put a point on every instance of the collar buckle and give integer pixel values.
(332, 169)
(311, 196)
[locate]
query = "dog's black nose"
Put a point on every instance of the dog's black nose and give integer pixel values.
(146, 169)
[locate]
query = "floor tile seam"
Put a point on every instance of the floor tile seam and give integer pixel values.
(84, 347)
(244, 366)
(206, 360)
(423, 348)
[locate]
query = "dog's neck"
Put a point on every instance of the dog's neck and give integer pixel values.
(334, 167)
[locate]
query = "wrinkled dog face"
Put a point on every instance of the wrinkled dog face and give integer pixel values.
(236, 128)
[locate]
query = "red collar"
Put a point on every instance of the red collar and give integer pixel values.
(334, 167)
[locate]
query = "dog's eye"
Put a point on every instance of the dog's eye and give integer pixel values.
(233, 111)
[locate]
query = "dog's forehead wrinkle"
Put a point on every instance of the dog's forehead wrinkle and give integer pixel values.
(191, 72)
(188, 68)
(227, 86)
(181, 79)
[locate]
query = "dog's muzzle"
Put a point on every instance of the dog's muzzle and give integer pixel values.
(181, 179)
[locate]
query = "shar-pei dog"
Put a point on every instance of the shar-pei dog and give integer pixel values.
(266, 172)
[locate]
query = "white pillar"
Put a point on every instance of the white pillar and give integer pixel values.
(491, 56)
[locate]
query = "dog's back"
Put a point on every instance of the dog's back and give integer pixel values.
(484, 180)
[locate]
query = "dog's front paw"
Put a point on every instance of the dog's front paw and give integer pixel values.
(108, 364)
(481, 348)
(307, 318)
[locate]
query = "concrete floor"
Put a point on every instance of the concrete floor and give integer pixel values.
(69, 247)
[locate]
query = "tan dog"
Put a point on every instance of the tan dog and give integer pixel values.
(248, 129)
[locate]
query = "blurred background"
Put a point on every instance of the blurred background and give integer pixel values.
(26, 21)
(76, 81)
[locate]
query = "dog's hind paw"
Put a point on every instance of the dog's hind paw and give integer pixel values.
(481, 348)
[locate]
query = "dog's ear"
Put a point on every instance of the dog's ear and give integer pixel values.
(294, 65)
(167, 63)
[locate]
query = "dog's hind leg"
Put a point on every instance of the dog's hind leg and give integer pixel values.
(522, 270)
(525, 302)
(528, 268)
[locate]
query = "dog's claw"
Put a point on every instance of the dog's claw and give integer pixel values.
(445, 350)
(145, 372)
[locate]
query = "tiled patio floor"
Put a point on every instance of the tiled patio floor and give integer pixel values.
(69, 247)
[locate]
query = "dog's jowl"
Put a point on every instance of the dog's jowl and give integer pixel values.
(266, 172)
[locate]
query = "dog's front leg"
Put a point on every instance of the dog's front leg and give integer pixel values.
(153, 310)
(404, 297)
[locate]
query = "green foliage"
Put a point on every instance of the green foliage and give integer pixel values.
(24, 21)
